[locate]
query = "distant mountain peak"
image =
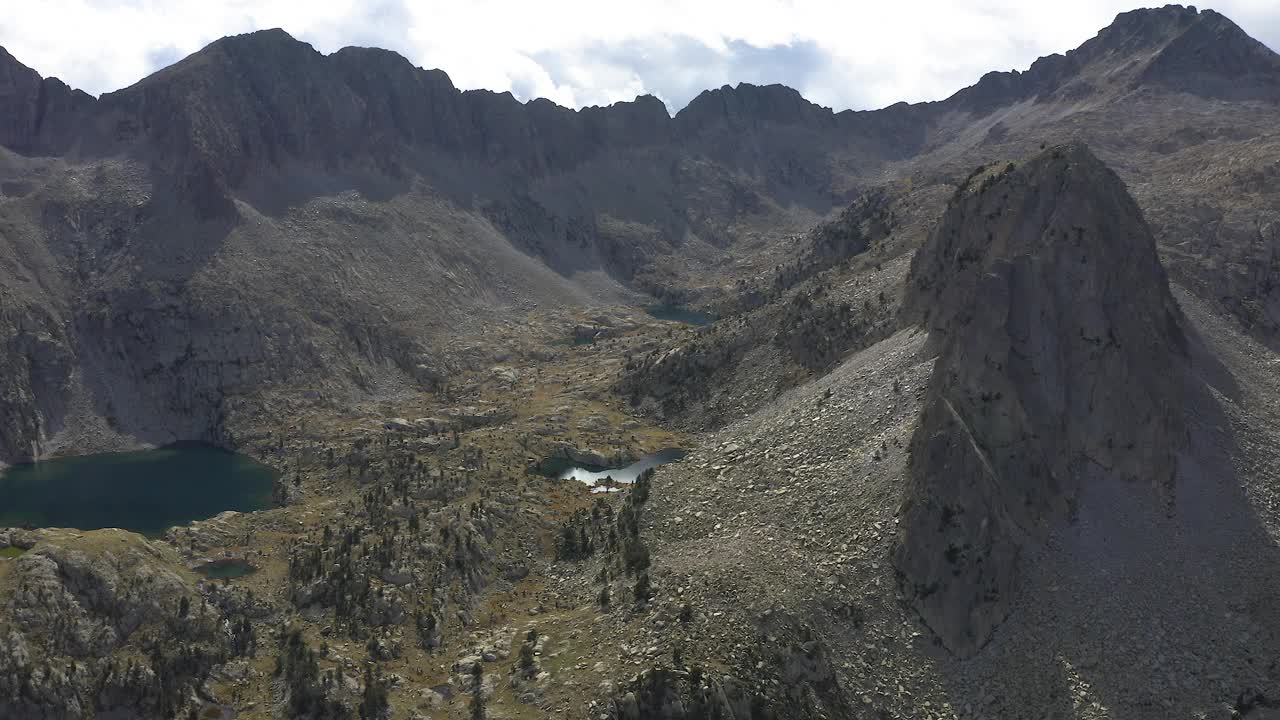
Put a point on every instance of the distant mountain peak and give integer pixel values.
(1214, 57)
(37, 115)
(1150, 24)
(747, 105)
(259, 98)
(1173, 47)
(258, 40)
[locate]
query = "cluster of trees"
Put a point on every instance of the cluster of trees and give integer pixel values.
(527, 663)
(338, 572)
(698, 693)
(309, 693)
(624, 549)
(477, 711)
(634, 552)
(679, 377)
(816, 334)
(402, 552)
(244, 641)
(584, 532)
(428, 622)
(373, 699)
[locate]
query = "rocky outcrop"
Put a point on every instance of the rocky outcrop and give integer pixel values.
(556, 454)
(789, 674)
(36, 361)
(102, 624)
(749, 106)
(1059, 358)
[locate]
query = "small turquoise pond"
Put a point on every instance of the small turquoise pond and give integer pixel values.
(680, 314)
(591, 475)
(147, 491)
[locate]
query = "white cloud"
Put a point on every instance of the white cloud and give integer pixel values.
(850, 53)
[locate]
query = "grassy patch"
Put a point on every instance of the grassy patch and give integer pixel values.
(11, 552)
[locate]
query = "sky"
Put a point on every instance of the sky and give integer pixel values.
(855, 54)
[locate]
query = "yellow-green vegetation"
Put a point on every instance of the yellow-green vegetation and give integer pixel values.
(11, 552)
(351, 470)
(451, 506)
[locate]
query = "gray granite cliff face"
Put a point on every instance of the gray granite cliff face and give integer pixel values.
(1059, 352)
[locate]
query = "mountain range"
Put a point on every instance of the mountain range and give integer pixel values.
(220, 203)
(984, 419)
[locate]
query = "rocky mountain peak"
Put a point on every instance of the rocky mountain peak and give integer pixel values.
(747, 106)
(1172, 47)
(1146, 27)
(256, 103)
(37, 115)
(1182, 48)
(1213, 57)
(19, 95)
(241, 98)
(1058, 348)
(14, 72)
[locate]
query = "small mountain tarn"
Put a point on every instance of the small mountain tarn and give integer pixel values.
(226, 569)
(680, 314)
(607, 478)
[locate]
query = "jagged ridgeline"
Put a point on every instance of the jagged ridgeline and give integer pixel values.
(955, 450)
(262, 217)
(1060, 351)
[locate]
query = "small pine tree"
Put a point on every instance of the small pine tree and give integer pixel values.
(526, 659)
(686, 614)
(568, 543)
(642, 590)
(373, 702)
(477, 696)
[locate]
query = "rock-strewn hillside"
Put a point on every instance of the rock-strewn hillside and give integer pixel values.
(1057, 497)
(836, 290)
(104, 624)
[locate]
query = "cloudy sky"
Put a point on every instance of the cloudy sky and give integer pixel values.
(840, 53)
